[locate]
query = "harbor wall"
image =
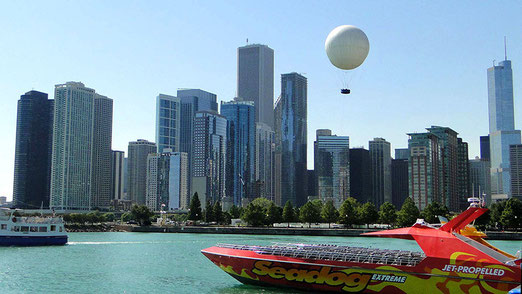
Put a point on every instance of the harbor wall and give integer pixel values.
(492, 235)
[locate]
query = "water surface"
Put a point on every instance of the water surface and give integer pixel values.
(149, 263)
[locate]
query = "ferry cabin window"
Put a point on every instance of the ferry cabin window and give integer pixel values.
(4, 227)
(15, 228)
(34, 229)
(53, 228)
(42, 229)
(61, 229)
(25, 229)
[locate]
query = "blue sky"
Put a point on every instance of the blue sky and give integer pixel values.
(427, 62)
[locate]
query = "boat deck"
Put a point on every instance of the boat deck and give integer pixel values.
(336, 253)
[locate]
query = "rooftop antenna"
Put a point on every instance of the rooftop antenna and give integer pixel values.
(505, 48)
(247, 41)
(493, 62)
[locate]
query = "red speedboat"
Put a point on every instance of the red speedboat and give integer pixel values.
(451, 263)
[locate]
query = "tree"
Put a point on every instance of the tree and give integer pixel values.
(125, 217)
(310, 213)
(433, 210)
(496, 210)
(109, 216)
(329, 213)
(512, 215)
(217, 212)
(94, 217)
(348, 212)
(263, 202)
(208, 213)
(288, 213)
(142, 214)
(254, 215)
(369, 214)
(274, 214)
(408, 214)
(227, 218)
(195, 208)
(387, 214)
(234, 211)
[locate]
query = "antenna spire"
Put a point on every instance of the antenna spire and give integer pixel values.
(505, 48)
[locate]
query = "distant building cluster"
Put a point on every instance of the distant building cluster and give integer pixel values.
(246, 148)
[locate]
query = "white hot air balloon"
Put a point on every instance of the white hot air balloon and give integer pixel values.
(347, 47)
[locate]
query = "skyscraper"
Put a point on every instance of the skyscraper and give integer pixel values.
(137, 169)
(255, 80)
(480, 178)
(449, 165)
(192, 101)
(102, 152)
(399, 172)
(380, 155)
(332, 167)
(291, 140)
(360, 175)
(402, 153)
(264, 161)
(463, 175)
(34, 127)
(241, 139)
(167, 181)
(484, 148)
(168, 122)
(117, 175)
(424, 171)
(515, 158)
(502, 131)
(209, 151)
(82, 123)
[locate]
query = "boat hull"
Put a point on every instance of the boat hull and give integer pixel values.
(251, 268)
(32, 240)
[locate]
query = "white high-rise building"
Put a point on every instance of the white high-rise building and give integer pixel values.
(82, 122)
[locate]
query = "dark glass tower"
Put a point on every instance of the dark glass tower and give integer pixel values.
(33, 150)
(241, 139)
(360, 175)
(399, 173)
(291, 136)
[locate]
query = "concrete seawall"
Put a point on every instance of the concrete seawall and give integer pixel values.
(284, 231)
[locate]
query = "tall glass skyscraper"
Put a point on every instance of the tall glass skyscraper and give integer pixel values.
(255, 80)
(34, 130)
(265, 148)
(167, 181)
(502, 131)
(168, 122)
(332, 167)
(192, 101)
(291, 140)
(209, 151)
(380, 156)
(241, 148)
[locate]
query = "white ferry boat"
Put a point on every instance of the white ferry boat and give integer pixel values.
(30, 231)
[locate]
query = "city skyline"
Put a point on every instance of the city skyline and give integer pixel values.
(457, 94)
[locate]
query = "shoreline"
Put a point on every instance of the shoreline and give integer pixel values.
(492, 235)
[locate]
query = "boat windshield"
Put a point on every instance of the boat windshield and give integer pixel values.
(5, 214)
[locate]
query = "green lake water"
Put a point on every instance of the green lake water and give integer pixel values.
(149, 263)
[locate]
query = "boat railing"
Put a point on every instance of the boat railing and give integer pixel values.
(336, 253)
